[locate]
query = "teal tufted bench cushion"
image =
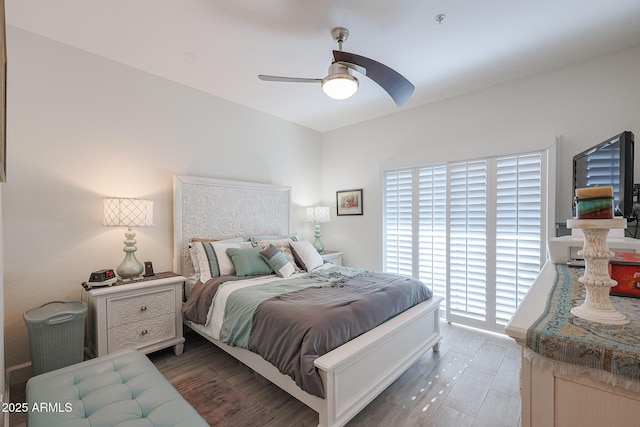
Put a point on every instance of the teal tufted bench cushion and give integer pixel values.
(121, 389)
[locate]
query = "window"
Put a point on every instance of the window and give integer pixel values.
(519, 218)
(468, 240)
(432, 238)
(398, 224)
(473, 231)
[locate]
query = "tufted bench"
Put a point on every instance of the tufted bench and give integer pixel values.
(120, 389)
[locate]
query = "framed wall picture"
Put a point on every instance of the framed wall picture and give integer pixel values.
(349, 202)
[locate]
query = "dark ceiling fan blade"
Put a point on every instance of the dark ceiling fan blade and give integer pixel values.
(398, 87)
(288, 79)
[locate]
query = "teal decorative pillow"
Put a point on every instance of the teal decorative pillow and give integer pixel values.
(278, 261)
(248, 262)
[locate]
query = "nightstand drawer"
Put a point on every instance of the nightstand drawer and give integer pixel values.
(142, 333)
(130, 309)
(143, 314)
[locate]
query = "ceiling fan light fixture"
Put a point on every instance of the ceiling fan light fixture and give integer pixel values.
(339, 84)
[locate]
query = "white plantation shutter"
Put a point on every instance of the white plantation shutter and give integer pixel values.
(398, 222)
(432, 234)
(472, 231)
(518, 230)
(468, 240)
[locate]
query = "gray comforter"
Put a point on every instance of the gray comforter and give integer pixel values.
(337, 304)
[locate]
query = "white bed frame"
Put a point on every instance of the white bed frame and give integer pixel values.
(354, 373)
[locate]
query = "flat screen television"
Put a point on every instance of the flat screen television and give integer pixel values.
(609, 163)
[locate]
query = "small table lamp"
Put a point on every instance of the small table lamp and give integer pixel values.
(123, 212)
(318, 215)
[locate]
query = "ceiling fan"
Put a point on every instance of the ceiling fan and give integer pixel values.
(341, 84)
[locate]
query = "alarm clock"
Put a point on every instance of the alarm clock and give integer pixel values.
(100, 278)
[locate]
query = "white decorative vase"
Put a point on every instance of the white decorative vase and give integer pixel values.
(597, 304)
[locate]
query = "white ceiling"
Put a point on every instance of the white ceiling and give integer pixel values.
(220, 46)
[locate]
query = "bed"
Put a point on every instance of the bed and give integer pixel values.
(352, 374)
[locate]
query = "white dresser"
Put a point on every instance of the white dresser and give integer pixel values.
(144, 314)
(556, 394)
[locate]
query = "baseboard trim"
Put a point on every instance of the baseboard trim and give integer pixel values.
(18, 374)
(14, 375)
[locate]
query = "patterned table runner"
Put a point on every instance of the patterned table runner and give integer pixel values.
(561, 336)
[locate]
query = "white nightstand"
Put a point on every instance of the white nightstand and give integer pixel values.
(334, 257)
(144, 314)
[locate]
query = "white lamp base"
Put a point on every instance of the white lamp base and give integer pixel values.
(130, 268)
(317, 243)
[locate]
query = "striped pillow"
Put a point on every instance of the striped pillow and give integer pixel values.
(212, 260)
(283, 245)
(278, 261)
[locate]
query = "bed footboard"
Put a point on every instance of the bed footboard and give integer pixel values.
(358, 371)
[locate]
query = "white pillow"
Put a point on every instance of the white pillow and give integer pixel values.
(225, 264)
(307, 255)
(211, 258)
(197, 244)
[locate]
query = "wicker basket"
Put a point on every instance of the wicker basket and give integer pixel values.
(56, 335)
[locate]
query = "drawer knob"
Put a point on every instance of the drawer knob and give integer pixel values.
(143, 308)
(145, 332)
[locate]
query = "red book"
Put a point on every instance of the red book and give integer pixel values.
(624, 268)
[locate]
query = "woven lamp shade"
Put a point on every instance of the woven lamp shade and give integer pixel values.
(123, 212)
(318, 214)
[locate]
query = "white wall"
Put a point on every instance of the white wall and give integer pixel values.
(584, 104)
(81, 127)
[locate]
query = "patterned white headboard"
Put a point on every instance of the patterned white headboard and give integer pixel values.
(209, 208)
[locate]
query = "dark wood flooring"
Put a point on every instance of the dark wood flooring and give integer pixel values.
(471, 382)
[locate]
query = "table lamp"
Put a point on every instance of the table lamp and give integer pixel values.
(124, 212)
(318, 215)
